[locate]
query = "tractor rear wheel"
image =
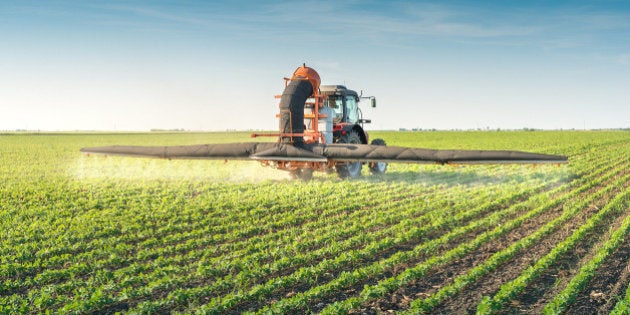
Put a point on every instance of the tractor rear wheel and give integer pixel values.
(349, 169)
(378, 167)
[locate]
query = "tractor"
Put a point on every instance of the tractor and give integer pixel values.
(337, 120)
(348, 126)
(321, 129)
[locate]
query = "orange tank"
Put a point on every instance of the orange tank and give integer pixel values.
(309, 74)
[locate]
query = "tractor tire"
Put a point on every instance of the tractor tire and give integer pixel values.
(378, 168)
(304, 174)
(349, 169)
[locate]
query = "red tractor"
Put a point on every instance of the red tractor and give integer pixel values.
(338, 119)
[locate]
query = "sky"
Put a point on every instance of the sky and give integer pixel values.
(210, 65)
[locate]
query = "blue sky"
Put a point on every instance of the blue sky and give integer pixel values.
(200, 65)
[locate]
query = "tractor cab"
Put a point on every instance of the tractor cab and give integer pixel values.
(344, 102)
(347, 114)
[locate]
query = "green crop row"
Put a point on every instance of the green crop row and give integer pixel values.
(391, 284)
(300, 297)
(567, 296)
(510, 289)
(622, 307)
(119, 260)
(347, 279)
(403, 231)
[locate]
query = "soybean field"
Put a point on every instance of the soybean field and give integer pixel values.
(92, 234)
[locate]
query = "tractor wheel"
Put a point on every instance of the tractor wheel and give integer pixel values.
(304, 174)
(350, 169)
(378, 167)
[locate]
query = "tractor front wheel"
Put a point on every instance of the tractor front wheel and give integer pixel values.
(304, 174)
(378, 167)
(349, 169)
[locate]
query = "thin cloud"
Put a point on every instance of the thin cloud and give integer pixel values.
(400, 23)
(156, 14)
(324, 21)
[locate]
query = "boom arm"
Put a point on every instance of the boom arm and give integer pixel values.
(330, 152)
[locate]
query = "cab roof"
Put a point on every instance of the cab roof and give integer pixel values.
(336, 89)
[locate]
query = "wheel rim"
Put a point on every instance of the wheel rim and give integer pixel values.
(354, 169)
(350, 169)
(380, 167)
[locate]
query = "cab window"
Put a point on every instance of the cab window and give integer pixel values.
(336, 103)
(352, 108)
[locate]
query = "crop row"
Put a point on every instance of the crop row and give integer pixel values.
(134, 268)
(188, 295)
(165, 234)
(567, 296)
(389, 285)
(285, 305)
(510, 289)
(341, 258)
(413, 232)
(623, 306)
